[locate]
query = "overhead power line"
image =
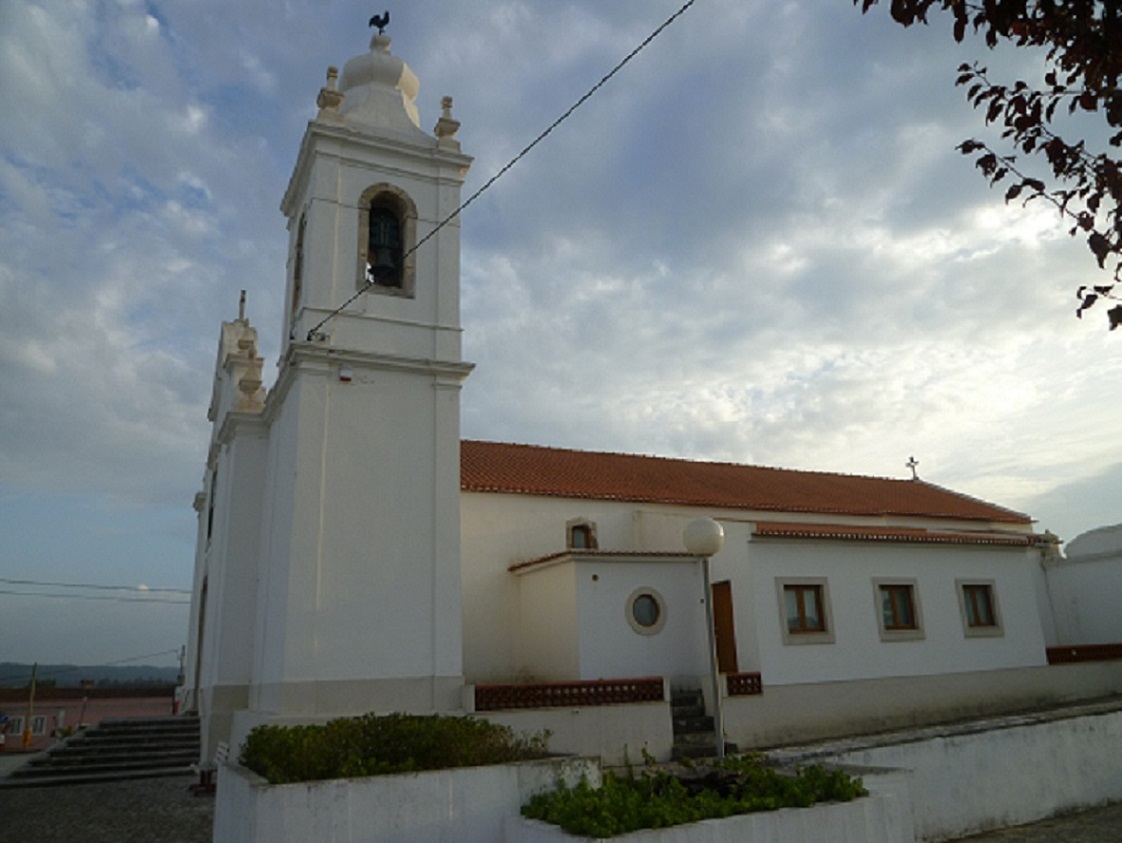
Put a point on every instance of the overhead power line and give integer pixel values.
(171, 600)
(587, 95)
(96, 586)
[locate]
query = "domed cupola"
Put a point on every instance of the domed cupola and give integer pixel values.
(379, 89)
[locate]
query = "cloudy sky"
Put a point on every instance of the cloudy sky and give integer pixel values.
(757, 243)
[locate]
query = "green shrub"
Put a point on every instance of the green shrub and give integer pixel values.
(658, 799)
(373, 745)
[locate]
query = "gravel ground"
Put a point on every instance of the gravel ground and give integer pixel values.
(135, 811)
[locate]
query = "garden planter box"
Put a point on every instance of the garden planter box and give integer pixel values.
(884, 816)
(465, 805)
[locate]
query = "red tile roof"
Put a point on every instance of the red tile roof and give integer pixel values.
(558, 472)
(788, 530)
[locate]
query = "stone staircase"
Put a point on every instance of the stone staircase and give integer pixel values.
(694, 733)
(128, 748)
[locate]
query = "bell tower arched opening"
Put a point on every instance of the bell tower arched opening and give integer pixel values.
(387, 233)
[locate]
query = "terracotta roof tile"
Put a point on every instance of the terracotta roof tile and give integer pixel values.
(558, 472)
(788, 530)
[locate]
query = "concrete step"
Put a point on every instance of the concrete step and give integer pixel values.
(63, 763)
(118, 749)
(690, 725)
(13, 781)
(700, 749)
(79, 744)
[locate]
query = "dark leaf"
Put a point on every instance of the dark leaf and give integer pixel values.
(1115, 316)
(1100, 246)
(1013, 192)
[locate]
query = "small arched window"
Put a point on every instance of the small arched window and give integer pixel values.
(581, 535)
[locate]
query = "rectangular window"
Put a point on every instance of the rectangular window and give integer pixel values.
(979, 605)
(898, 611)
(898, 607)
(15, 726)
(981, 616)
(38, 725)
(804, 610)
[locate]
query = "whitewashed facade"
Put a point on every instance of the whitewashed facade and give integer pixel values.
(354, 556)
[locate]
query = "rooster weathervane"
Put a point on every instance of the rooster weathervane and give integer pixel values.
(381, 21)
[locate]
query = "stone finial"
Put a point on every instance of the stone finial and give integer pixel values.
(329, 98)
(252, 397)
(446, 127)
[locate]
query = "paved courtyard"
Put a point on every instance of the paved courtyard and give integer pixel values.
(1099, 825)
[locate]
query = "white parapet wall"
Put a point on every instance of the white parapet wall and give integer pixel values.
(1016, 770)
(616, 734)
(791, 714)
(467, 805)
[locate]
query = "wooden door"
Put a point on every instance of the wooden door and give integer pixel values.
(723, 627)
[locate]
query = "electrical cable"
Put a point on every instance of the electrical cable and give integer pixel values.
(171, 600)
(92, 585)
(314, 331)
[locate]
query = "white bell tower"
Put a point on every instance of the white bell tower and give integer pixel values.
(358, 595)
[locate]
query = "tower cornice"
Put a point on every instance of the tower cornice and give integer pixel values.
(332, 140)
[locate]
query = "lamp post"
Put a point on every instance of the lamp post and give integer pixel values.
(704, 537)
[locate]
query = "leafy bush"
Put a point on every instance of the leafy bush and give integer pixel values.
(373, 745)
(658, 799)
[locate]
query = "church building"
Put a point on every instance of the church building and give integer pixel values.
(355, 555)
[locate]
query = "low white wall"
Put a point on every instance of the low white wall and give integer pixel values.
(882, 817)
(787, 714)
(468, 805)
(1083, 586)
(989, 776)
(615, 734)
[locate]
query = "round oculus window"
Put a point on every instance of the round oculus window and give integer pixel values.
(646, 611)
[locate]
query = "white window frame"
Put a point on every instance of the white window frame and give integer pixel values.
(656, 627)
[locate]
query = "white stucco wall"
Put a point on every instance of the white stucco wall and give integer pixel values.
(1084, 585)
(500, 530)
(362, 538)
(611, 647)
(858, 651)
(547, 638)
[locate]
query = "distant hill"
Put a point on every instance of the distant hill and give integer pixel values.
(16, 675)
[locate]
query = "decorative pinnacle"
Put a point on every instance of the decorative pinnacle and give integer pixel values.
(446, 127)
(329, 98)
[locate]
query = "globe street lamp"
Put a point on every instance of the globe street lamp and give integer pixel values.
(704, 538)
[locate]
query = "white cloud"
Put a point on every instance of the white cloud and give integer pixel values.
(756, 243)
